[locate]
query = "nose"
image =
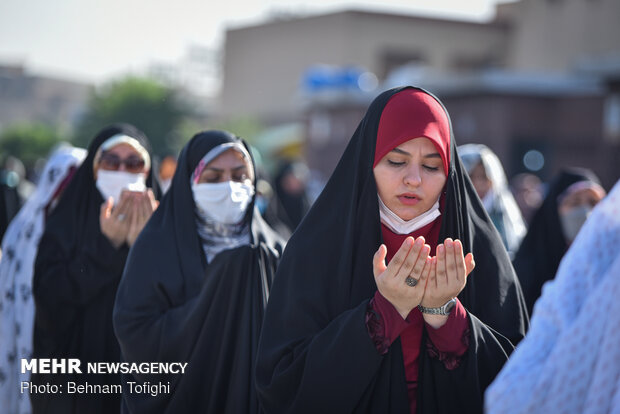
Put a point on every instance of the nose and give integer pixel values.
(412, 177)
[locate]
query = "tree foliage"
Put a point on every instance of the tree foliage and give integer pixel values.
(28, 142)
(150, 106)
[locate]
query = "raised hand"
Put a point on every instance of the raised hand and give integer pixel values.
(144, 204)
(114, 221)
(448, 274)
(411, 261)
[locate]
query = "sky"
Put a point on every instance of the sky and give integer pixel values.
(97, 40)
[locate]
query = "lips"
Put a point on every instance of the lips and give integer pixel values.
(408, 199)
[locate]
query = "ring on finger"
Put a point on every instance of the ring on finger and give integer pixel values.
(120, 217)
(410, 281)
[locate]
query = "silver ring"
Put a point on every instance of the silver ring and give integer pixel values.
(410, 281)
(120, 217)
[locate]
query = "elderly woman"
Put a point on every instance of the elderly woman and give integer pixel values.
(196, 284)
(79, 264)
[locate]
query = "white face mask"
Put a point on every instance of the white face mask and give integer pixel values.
(573, 220)
(224, 202)
(400, 226)
(112, 183)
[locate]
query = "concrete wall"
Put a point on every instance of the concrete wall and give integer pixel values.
(560, 34)
(263, 65)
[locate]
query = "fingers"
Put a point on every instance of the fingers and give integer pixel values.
(135, 218)
(460, 261)
(106, 208)
(432, 276)
(451, 266)
(400, 257)
(441, 266)
(123, 207)
(378, 260)
(420, 264)
(470, 264)
(412, 259)
(151, 198)
(426, 271)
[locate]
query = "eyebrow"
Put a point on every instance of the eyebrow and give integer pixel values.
(431, 155)
(221, 170)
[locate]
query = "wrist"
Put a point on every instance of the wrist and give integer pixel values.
(442, 310)
(435, 321)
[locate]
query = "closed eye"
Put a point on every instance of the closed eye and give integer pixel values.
(396, 164)
(429, 168)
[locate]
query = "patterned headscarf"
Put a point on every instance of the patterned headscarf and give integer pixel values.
(19, 247)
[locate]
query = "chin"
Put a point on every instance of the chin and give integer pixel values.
(407, 215)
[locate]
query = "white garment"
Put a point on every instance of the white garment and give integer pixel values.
(400, 226)
(569, 362)
(112, 183)
(19, 250)
(499, 201)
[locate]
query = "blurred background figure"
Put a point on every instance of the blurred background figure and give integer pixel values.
(14, 190)
(527, 189)
(20, 244)
(10, 202)
(290, 187)
(487, 175)
(166, 171)
(269, 205)
(570, 198)
(569, 362)
(80, 261)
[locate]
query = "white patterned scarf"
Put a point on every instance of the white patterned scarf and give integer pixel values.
(215, 236)
(19, 250)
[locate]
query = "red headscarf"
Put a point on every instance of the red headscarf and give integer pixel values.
(412, 114)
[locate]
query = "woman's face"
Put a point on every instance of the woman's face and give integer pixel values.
(228, 166)
(479, 179)
(585, 197)
(410, 178)
(121, 157)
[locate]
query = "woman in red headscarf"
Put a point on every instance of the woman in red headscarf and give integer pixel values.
(377, 306)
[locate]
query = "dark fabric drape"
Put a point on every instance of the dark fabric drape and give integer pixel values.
(174, 307)
(544, 245)
(315, 354)
(293, 206)
(77, 271)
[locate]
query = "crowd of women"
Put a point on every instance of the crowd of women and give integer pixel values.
(405, 288)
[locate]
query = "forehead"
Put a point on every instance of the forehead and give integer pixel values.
(123, 150)
(422, 144)
(228, 159)
(580, 194)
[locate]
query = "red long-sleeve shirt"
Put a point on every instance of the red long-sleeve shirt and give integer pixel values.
(447, 343)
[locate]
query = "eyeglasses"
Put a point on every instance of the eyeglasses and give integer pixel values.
(113, 162)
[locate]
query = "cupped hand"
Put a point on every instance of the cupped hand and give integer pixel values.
(143, 206)
(411, 261)
(114, 221)
(448, 273)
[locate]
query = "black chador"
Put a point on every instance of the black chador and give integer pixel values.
(175, 306)
(316, 355)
